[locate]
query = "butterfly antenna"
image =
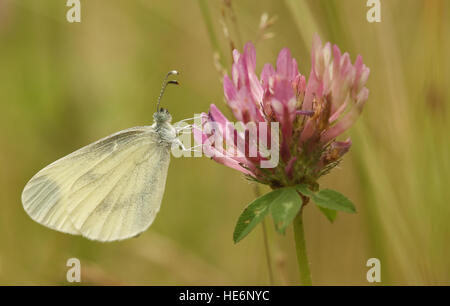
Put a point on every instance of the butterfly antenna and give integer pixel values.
(164, 85)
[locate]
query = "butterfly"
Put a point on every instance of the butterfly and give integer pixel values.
(108, 190)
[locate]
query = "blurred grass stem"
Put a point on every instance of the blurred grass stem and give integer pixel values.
(266, 242)
(211, 34)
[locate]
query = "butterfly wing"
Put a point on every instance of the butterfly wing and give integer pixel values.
(109, 190)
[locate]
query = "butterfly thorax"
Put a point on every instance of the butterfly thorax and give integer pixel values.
(166, 132)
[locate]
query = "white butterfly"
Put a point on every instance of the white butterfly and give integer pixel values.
(108, 190)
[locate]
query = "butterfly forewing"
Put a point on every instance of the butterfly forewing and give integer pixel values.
(108, 190)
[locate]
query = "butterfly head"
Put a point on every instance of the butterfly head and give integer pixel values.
(162, 116)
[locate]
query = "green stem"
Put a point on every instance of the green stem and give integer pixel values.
(300, 246)
(266, 242)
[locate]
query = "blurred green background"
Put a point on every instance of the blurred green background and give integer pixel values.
(64, 85)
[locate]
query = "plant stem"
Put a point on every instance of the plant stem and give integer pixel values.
(268, 257)
(300, 246)
(266, 243)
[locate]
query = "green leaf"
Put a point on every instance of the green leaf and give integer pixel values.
(285, 207)
(329, 213)
(305, 190)
(283, 203)
(334, 200)
(329, 201)
(253, 214)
